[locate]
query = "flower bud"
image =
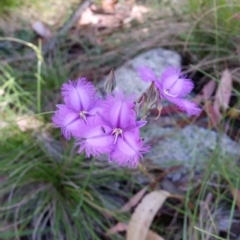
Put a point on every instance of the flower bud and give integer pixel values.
(110, 83)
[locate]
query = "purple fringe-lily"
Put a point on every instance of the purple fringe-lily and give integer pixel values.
(172, 86)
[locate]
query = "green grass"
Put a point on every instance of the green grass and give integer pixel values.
(51, 191)
(47, 190)
(9, 4)
(215, 25)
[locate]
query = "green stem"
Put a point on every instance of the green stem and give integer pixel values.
(39, 68)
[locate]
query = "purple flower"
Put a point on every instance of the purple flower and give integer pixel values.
(80, 104)
(115, 131)
(147, 74)
(172, 86)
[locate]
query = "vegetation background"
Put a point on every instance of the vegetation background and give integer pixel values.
(47, 191)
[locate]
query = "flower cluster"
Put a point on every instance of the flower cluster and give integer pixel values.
(172, 86)
(100, 126)
(110, 125)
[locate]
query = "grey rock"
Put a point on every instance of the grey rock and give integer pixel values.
(191, 146)
(158, 59)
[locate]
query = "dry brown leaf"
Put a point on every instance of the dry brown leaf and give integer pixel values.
(41, 30)
(236, 194)
(99, 20)
(133, 201)
(144, 213)
(122, 227)
(26, 123)
(214, 114)
(151, 235)
(224, 91)
(137, 12)
(108, 6)
(119, 227)
(234, 113)
(206, 92)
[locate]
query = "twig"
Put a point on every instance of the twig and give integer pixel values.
(75, 17)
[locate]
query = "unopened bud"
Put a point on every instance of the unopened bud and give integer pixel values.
(110, 83)
(142, 98)
(157, 102)
(141, 101)
(152, 94)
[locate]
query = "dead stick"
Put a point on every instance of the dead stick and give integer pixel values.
(75, 17)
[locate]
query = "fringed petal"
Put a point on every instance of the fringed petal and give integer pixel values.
(68, 120)
(119, 110)
(128, 150)
(146, 74)
(185, 105)
(173, 84)
(79, 94)
(96, 138)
